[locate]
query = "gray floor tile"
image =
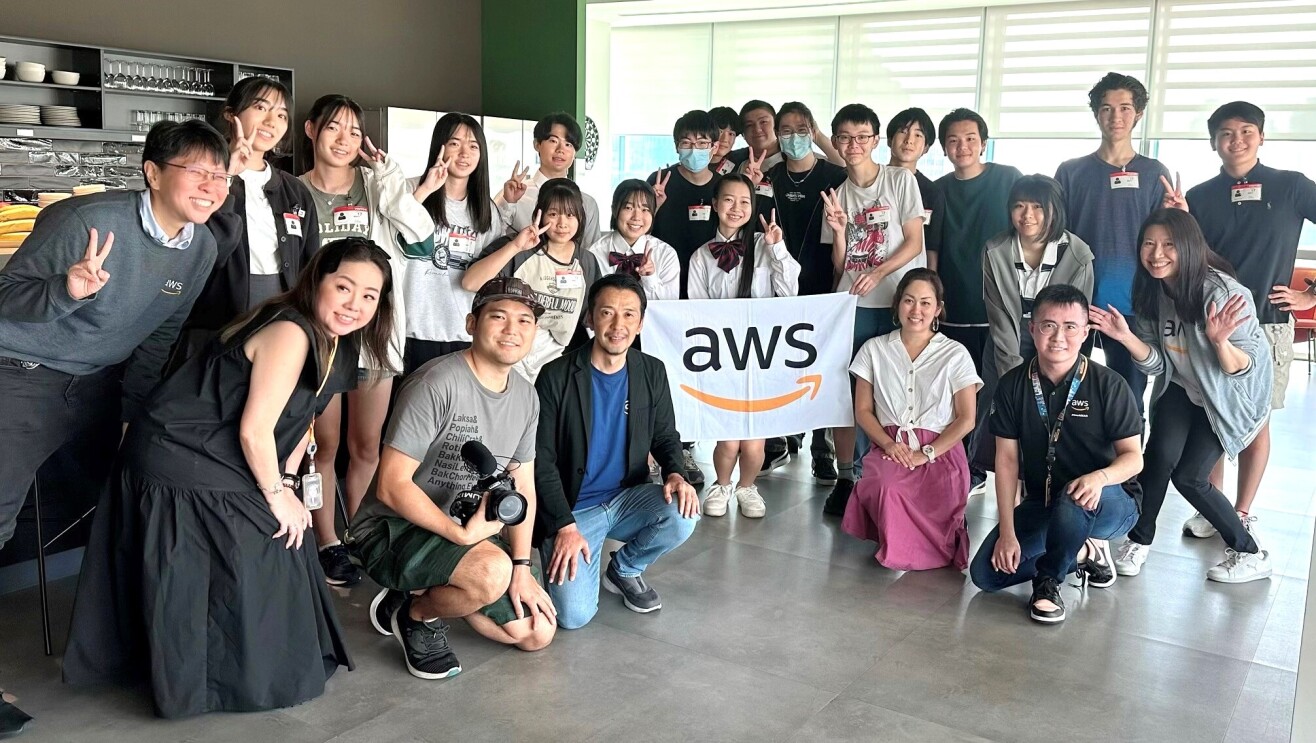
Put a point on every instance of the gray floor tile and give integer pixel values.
(847, 719)
(1265, 710)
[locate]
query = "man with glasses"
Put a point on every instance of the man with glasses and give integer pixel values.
(1072, 427)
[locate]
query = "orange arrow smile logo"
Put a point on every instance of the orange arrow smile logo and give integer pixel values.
(812, 381)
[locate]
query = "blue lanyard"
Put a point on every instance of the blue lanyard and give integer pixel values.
(1053, 434)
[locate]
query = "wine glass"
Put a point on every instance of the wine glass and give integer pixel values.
(208, 86)
(138, 82)
(120, 79)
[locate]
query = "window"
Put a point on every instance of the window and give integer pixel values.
(657, 74)
(777, 61)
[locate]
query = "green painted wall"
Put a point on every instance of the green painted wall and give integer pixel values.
(532, 57)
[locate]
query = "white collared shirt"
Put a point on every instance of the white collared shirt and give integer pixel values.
(915, 393)
(1034, 280)
(776, 273)
(182, 241)
(665, 283)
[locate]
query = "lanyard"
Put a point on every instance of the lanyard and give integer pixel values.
(1053, 435)
(311, 447)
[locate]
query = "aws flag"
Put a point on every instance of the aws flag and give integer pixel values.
(755, 368)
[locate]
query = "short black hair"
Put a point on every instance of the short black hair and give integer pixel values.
(795, 107)
(544, 128)
(912, 117)
(1241, 110)
(625, 190)
(856, 113)
(616, 281)
(756, 105)
(1116, 81)
(1062, 295)
(955, 117)
(170, 139)
(694, 123)
(725, 117)
(1046, 191)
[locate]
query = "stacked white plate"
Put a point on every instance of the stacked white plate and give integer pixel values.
(11, 113)
(60, 116)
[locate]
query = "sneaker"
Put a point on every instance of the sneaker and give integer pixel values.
(1250, 524)
(1046, 589)
(824, 472)
(838, 498)
(382, 609)
(634, 592)
(715, 503)
(793, 444)
(1098, 568)
(693, 474)
(1198, 526)
(774, 459)
(338, 567)
(1131, 557)
(977, 483)
(424, 645)
(1241, 567)
(751, 503)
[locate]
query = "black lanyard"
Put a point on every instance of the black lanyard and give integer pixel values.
(1053, 433)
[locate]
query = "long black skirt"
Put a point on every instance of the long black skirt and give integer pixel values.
(186, 589)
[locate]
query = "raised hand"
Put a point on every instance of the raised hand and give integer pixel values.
(660, 186)
(436, 176)
(1174, 198)
(834, 213)
(528, 238)
(771, 230)
(515, 186)
(88, 276)
(1291, 300)
(372, 153)
(240, 149)
(754, 167)
(1111, 322)
(1222, 322)
(646, 267)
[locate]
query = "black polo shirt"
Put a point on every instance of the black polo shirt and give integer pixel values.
(1102, 412)
(672, 223)
(797, 197)
(1258, 236)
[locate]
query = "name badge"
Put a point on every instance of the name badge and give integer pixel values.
(1245, 192)
(568, 280)
(701, 213)
(292, 224)
(764, 189)
(351, 216)
(460, 242)
(875, 215)
(927, 216)
(724, 167)
(1123, 180)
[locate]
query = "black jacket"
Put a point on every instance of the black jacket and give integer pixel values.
(226, 293)
(565, 417)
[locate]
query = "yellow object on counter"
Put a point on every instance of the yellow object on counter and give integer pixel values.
(16, 225)
(18, 211)
(12, 239)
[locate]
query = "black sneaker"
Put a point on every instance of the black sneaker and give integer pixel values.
(1049, 589)
(793, 444)
(1098, 568)
(693, 474)
(824, 472)
(838, 498)
(424, 645)
(382, 608)
(774, 459)
(635, 593)
(338, 568)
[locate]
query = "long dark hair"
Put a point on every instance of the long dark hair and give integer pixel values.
(372, 340)
(244, 95)
(745, 234)
(1187, 288)
(478, 207)
(323, 112)
(563, 195)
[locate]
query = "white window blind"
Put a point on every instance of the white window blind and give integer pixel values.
(1039, 62)
(657, 74)
(776, 61)
(891, 62)
(1209, 53)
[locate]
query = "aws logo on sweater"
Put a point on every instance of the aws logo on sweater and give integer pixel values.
(172, 288)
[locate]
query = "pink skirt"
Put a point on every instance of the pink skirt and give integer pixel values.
(916, 517)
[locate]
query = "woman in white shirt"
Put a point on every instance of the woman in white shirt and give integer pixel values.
(915, 397)
(738, 264)
(630, 248)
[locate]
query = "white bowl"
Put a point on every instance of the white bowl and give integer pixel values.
(63, 77)
(31, 76)
(31, 66)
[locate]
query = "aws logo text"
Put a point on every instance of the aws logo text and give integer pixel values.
(708, 355)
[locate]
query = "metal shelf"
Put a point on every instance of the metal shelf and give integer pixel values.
(51, 86)
(159, 94)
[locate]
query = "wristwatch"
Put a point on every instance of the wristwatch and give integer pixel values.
(292, 482)
(930, 453)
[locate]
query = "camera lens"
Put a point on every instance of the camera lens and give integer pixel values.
(511, 508)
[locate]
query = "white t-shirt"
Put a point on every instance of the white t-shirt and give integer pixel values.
(437, 305)
(262, 235)
(1034, 280)
(665, 283)
(916, 393)
(876, 229)
(776, 273)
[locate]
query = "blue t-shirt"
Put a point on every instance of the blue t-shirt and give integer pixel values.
(605, 466)
(1108, 217)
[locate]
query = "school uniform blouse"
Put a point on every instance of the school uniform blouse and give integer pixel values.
(612, 251)
(776, 273)
(914, 393)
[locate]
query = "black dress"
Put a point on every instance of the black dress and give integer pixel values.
(182, 582)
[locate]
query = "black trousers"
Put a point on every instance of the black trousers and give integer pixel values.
(41, 410)
(1182, 449)
(821, 446)
(979, 444)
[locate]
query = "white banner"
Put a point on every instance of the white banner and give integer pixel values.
(755, 368)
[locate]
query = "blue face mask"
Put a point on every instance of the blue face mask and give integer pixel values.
(694, 160)
(795, 146)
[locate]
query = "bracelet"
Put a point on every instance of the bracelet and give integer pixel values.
(272, 490)
(523, 561)
(1104, 475)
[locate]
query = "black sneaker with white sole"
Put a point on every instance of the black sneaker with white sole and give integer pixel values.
(382, 607)
(424, 645)
(774, 459)
(635, 593)
(824, 471)
(338, 567)
(693, 474)
(839, 498)
(1098, 568)
(1046, 588)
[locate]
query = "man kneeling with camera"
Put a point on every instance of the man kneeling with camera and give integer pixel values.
(460, 444)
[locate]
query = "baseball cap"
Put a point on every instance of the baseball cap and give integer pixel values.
(507, 287)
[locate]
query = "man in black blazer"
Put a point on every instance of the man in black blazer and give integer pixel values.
(604, 409)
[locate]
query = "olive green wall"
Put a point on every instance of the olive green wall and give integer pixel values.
(532, 57)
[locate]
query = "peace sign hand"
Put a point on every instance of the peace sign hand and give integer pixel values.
(88, 276)
(515, 187)
(1222, 324)
(771, 230)
(646, 267)
(835, 214)
(1174, 198)
(754, 167)
(660, 186)
(372, 153)
(528, 238)
(240, 149)
(435, 177)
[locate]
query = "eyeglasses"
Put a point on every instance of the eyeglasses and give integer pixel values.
(1070, 329)
(193, 174)
(697, 144)
(845, 139)
(788, 132)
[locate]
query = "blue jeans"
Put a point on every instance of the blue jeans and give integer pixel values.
(1050, 537)
(869, 323)
(639, 516)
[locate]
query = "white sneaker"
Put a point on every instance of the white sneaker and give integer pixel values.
(1250, 524)
(1131, 557)
(1198, 526)
(715, 503)
(1241, 567)
(751, 503)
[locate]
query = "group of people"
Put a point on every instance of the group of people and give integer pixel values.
(232, 323)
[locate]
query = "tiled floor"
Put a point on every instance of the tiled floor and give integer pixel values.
(784, 629)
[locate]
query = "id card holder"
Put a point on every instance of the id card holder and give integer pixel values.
(877, 215)
(701, 213)
(292, 224)
(724, 167)
(313, 490)
(764, 189)
(1123, 179)
(1245, 192)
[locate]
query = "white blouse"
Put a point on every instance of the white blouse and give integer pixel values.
(262, 235)
(665, 283)
(917, 393)
(776, 273)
